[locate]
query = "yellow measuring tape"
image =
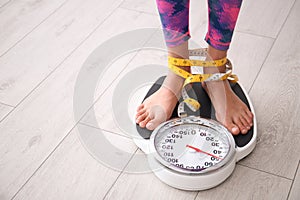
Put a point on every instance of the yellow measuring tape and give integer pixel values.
(175, 63)
(187, 62)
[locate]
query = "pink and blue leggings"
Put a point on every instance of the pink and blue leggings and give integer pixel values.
(222, 14)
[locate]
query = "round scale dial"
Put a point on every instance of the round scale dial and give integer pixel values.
(191, 147)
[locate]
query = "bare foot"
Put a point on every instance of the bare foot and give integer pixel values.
(159, 107)
(156, 109)
(230, 110)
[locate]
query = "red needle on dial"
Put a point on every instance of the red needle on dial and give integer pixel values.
(199, 150)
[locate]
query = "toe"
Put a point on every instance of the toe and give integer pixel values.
(246, 124)
(140, 107)
(144, 122)
(234, 129)
(244, 131)
(141, 117)
(249, 117)
(237, 121)
(150, 125)
(157, 116)
(140, 112)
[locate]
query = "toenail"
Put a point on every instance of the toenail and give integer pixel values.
(150, 125)
(235, 129)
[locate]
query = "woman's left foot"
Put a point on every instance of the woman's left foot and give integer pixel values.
(231, 111)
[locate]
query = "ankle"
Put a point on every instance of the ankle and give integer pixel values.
(180, 51)
(215, 54)
(173, 83)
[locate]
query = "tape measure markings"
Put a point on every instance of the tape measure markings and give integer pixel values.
(174, 64)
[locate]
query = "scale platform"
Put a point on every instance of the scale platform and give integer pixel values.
(245, 143)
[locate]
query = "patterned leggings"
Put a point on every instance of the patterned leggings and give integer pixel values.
(223, 14)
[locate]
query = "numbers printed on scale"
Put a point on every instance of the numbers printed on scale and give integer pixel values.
(191, 147)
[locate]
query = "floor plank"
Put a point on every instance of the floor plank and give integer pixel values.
(4, 110)
(3, 2)
(18, 18)
(295, 191)
(258, 17)
(39, 123)
(248, 53)
(144, 186)
(142, 6)
(70, 173)
(276, 99)
(28, 63)
(246, 183)
(104, 111)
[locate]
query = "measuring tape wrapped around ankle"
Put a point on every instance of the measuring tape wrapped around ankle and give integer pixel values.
(175, 64)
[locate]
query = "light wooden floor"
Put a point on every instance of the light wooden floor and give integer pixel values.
(43, 45)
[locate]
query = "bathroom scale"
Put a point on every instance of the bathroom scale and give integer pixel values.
(194, 151)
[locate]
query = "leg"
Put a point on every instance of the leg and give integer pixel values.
(159, 106)
(230, 110)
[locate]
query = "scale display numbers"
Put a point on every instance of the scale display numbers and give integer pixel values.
(191, 147)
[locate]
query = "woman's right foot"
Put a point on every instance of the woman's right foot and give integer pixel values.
(159, 107)
(156, 109)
